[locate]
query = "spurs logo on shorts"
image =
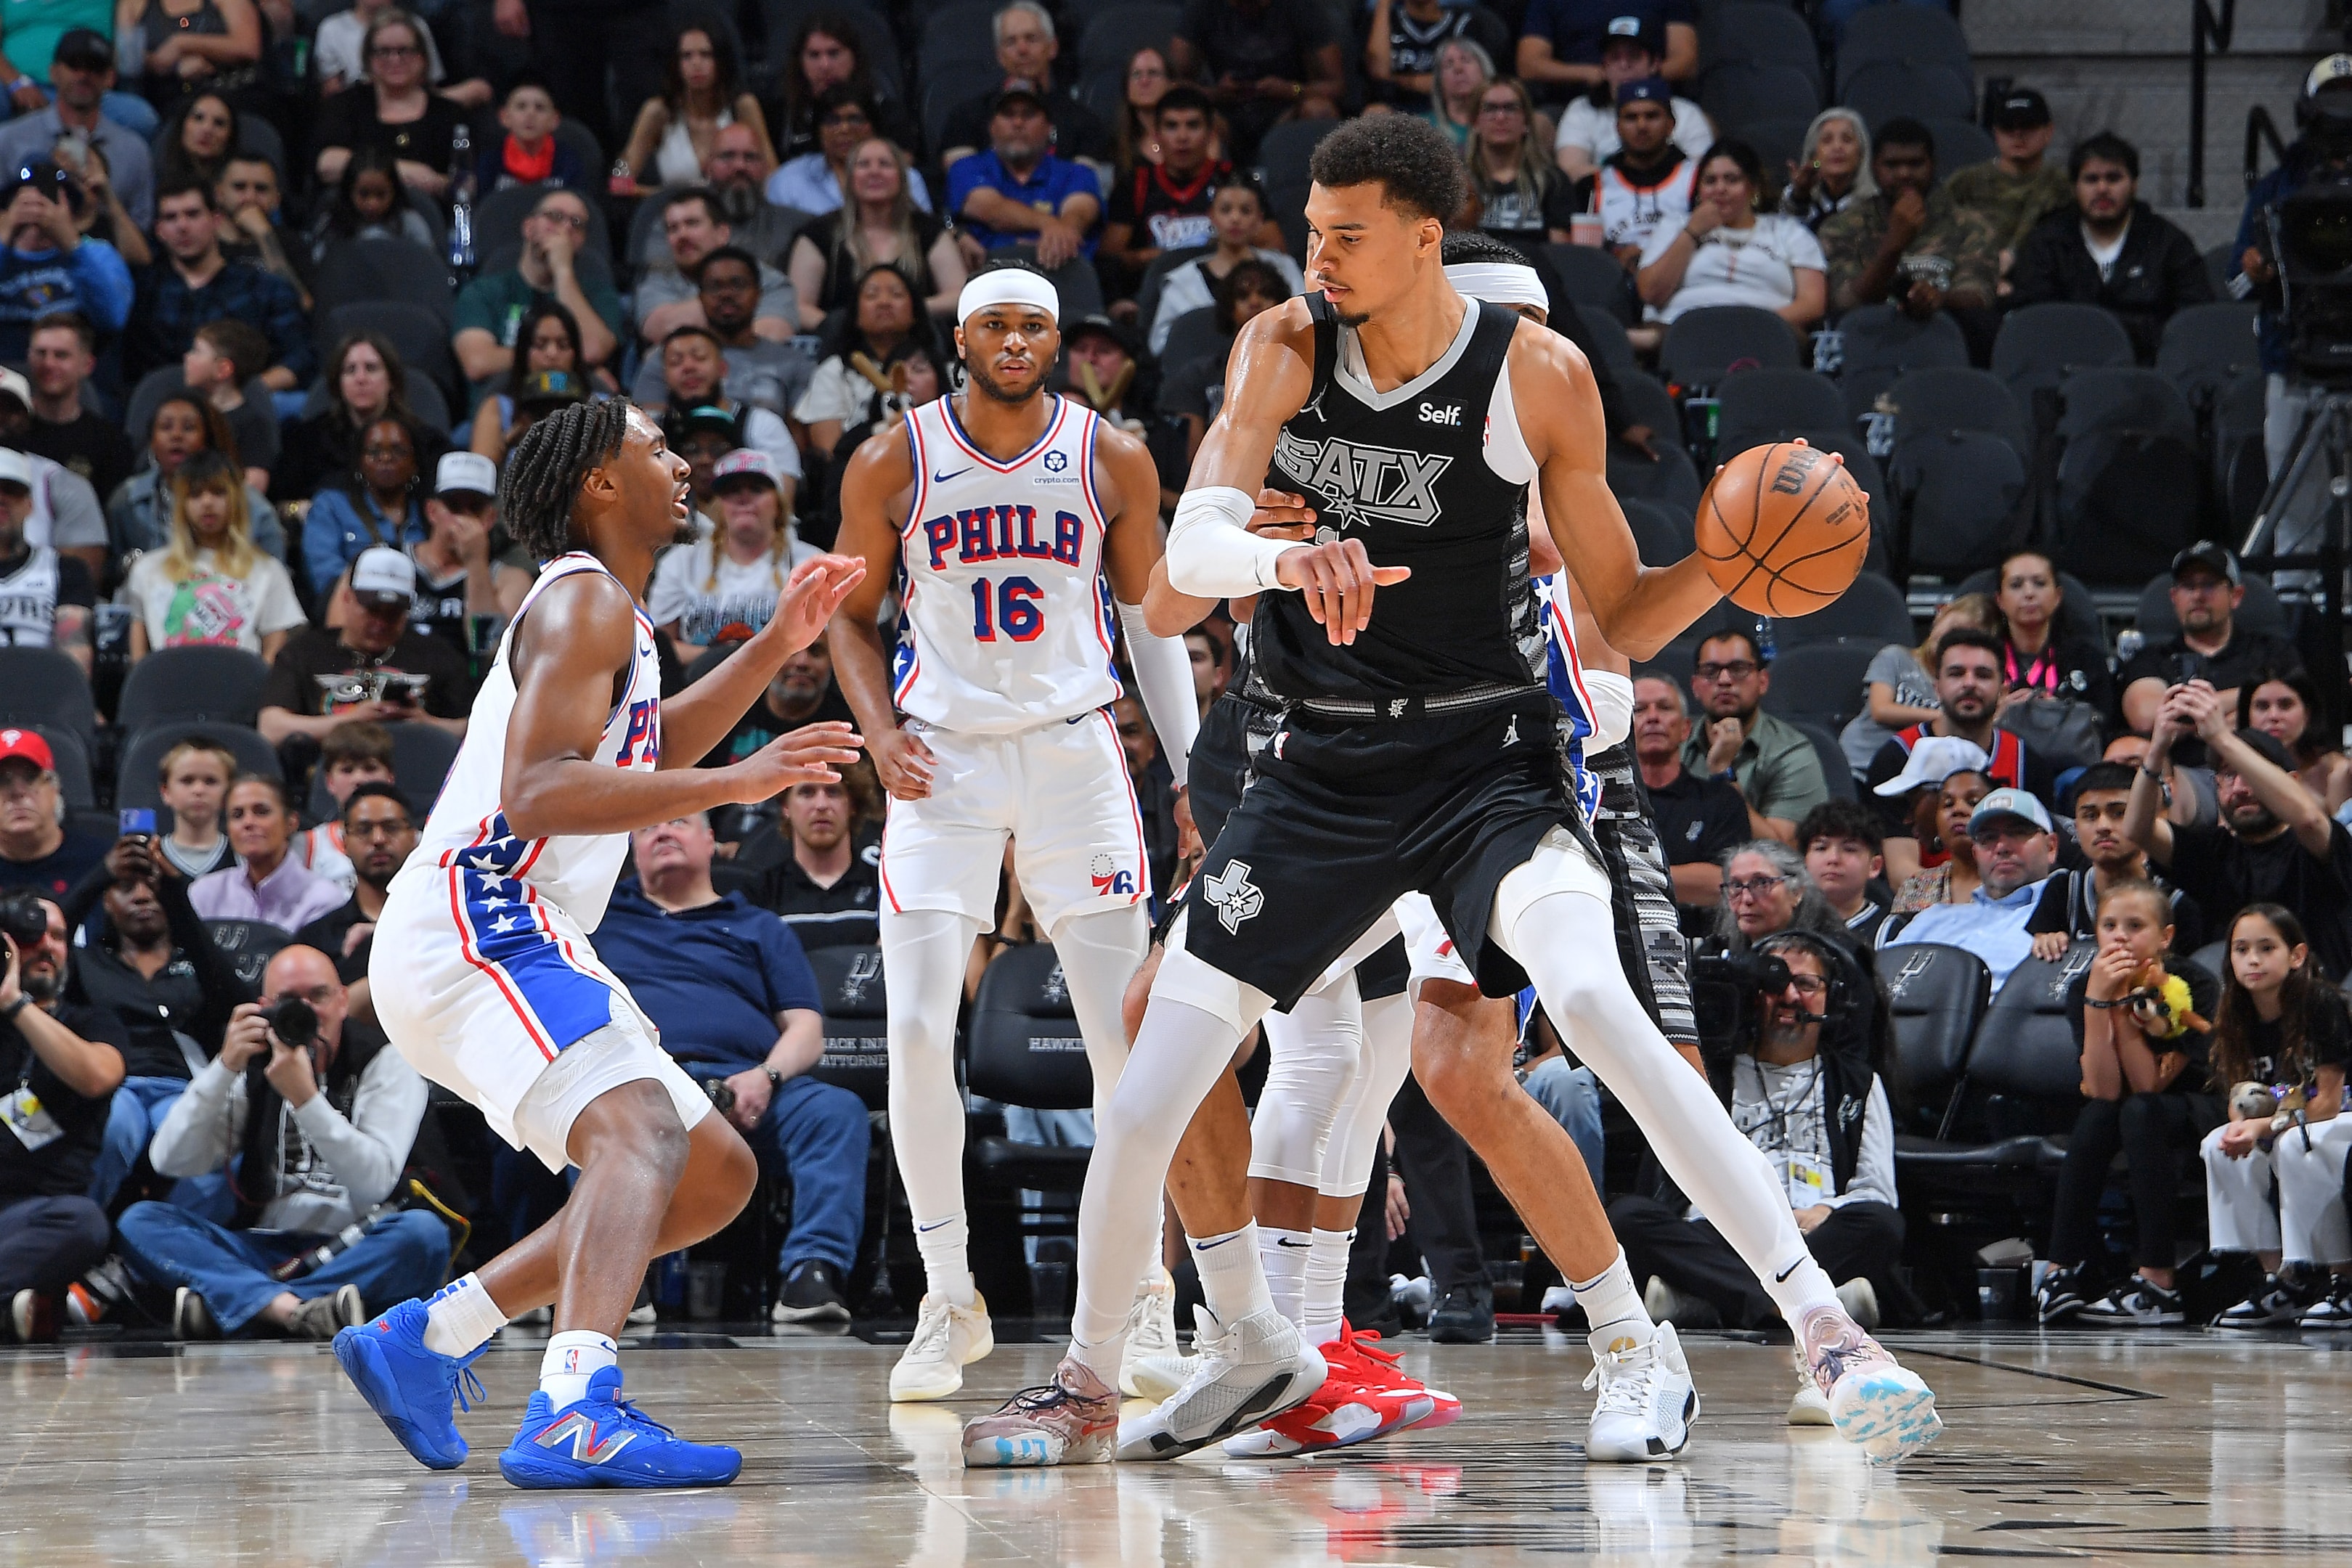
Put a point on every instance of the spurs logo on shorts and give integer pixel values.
(1232, 895)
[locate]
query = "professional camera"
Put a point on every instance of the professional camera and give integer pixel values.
(1724, 988)
(23, 917)
(293, 1021)
(2310, 234)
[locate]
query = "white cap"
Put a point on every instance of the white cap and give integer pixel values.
(2327, 73)
(383, 576)
(1933, 759)
(16, 468)
(467, 471)
(14, 385)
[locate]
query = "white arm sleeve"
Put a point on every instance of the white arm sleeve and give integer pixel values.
(1613, 706)
(1211, 554)
(1163, 675)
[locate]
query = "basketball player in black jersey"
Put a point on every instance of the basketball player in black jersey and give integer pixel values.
(1416, 753)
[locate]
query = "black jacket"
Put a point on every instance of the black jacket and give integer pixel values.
(193, 995)
(2158, 271)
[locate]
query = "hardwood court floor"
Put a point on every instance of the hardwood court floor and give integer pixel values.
(2097, 1447)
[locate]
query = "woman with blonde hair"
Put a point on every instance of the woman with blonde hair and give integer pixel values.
(877, 223)
(1522, 197)
(210, 587)
(1832, 170)
(1464, 68)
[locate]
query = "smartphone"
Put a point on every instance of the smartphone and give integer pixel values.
(2186, 666)
(134, 821)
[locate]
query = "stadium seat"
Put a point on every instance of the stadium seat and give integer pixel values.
(2131, 482)
(1938, 997)
(1960, 142)
(1283, 154)
(1960, 399)
(2220, 265)
(1591, 275)
(388, 267)
(1923, 34)
(1837, 776)
(1754, 406)
(1661, 535)
(1647, 402)
(1883, 345)
(1778, 141)
(420, 339)
(421, 755)
(135, 775)
(1873, 610)
(1194, 335)
(498, 220)
(1820, 681)
(1671, 481)
(1705, 346)
(957, 41)
(2259, 612)
(857, 1054)
(1751, 31)
(139, 412)
(1022, 1047)
(249, 945)
(1956, 499)
(425, 401)
(44, 686)
(1882, 90)
(1674, 663)
(218, 684)
(2040, 345)
(1609, 336)
(1115, 32)
(2207, 346)
(1737, 92)
(75, 785)
(1075, 281)
(1155, 278)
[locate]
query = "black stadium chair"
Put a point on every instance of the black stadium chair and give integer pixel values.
(1881, 345)
(1737, 92)
(1872, 610)
(44, 686)
(387, 267)
(1647, 402)
(1939, 995)
(1837, 774)
(1283, 154)
(1956, 496)
(1779, 142)
(1960, 142)
(1764, 34)
(1705, 346)
(1591, 275)
(856, 1051)
(2131, 481)
(1670, 481)
(1754, 406)
(139, 412)
(1114, 34)
(2040, 345)
(1074, 281)
(218, 684)
(71, 760)
(1608, 335)
(1022, 1047)
(1935, 401)
(1882, 90)
(1194, 335)
(1924, 34)
(1661, 536)
(421, 755)
(1822, 681)
(136, 783)
(1675, 661)
(961, 35)
(425, 401)
(249, 945)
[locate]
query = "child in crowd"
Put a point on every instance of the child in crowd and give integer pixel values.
(353, 753)
(529, 153)
(225, 356)
(210, 587)
(2284, 1031)
(368, 204)
(194, 779)
(2144, 1060)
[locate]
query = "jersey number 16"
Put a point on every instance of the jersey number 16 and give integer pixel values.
(1011, 605)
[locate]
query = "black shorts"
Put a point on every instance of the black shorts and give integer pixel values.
(1342, 819)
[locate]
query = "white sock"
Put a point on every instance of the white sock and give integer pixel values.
(1232, 1279)
(1283, 1255)
(1614, 1309)
(571, 1358)
(946, 1246)
(460, 1318)
(1327, 1282)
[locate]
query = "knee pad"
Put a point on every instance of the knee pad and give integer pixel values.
(1185, 978)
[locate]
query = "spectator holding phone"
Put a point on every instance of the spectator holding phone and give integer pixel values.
(2210, 646)
(269, 885)
(373, 666)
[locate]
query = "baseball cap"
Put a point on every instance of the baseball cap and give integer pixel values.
(2009, 803)
(16, 468)
(24, 743)
(1649, 90)
(1641, 31)
(383, 576)
(1933, 759)
(2020, 109)
(745, 462)
(544, 388)
(2273, 750)
(2334, 68)
(708, 416)
(1103, 326)
(85, 48)
(1018, 89)
(2214, 558)
(14, 385)
(466, 473)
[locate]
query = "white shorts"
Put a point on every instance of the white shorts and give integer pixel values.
(1060, 792)
(529, 1026)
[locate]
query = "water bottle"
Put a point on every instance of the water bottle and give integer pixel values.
(461, 207)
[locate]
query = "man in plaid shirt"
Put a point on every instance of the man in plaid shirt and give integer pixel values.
(193, 283)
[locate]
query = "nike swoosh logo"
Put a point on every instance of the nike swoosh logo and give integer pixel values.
(1782, 1276)
(1219, 1241)
(943, 478)
(1292, 1246)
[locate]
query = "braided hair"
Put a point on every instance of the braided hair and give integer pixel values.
(548, 464)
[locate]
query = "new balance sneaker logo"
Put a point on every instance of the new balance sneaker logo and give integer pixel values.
(1233, 896)
(579, 1432)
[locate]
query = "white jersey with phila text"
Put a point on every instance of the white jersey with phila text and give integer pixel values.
(468, 829)
(1005, 620)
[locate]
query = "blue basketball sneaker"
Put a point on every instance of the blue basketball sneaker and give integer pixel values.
(410, 1387)
(604, 1440)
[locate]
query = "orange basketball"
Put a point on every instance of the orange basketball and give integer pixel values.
(1783, 529)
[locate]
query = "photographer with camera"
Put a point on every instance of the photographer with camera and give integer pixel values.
(1800, 1085)
(2322, 153)
(65, 1059)
(323, 1123)
(379, 833)
(154, 968)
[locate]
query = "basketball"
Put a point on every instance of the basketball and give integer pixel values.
(1783, 529)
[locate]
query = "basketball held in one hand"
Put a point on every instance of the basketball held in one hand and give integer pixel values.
(1783, 529)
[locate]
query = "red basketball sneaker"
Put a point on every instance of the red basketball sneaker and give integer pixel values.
(1366, 1396)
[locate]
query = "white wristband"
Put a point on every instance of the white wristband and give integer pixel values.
(1211, 554)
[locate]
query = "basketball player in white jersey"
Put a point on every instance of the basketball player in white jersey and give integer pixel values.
(486, 981)
(1009, 520)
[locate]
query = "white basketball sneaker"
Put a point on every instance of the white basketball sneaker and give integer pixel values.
(1242, 1375)
(1153, 1365)
(1810, 1407)
(1647, 1404)
(947, 1339)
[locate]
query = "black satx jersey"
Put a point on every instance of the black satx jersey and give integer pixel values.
(1407, 472)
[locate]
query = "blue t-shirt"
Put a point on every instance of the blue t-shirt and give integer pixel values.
(1577, 28)
(1053, 182)
(712, 978)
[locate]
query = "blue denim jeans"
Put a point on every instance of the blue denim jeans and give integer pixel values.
(817, 1135)
(402, 1255)
(138, 1108)
(1571, 1096)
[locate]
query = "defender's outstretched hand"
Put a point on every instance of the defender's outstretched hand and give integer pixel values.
(815, 591)
(809, 755)
(1337, 580)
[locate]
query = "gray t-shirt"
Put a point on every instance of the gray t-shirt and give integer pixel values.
(1898, 667)
(667, 285)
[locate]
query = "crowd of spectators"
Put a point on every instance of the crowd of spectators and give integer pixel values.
(279, 291)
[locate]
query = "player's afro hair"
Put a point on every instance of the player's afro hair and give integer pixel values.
(547, 465)
(1411, 158)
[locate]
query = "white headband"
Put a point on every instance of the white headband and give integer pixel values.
(1499, 283)
(1009, 285)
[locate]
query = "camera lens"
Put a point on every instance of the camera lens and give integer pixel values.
(292, 1020)
(22, 918)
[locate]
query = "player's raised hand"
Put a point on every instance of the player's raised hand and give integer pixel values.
(815, 591)
(1337, 580)
(902, 762)
(809, 755)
